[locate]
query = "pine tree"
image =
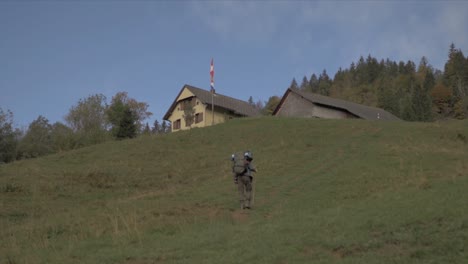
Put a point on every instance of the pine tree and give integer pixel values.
(324, 83)
(410, 67)
(314, 83)
(421, 104)
(339, 75)
(293, 84)
(424, 83)
(305, 84)
(386, 96)
(373, 69)
(455, 75)
(127, 126)
(391, 68)
(352, 68)
(401, 68)
(146, 130)
(406, 109)
(361, 72)
(251, 101)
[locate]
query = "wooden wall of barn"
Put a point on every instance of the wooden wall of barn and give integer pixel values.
(295, 105)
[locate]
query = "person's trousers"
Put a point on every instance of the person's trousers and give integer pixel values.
(244, 186)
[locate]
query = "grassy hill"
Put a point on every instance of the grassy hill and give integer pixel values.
(327, 191)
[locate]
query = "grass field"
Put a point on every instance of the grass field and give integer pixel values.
(327, 191)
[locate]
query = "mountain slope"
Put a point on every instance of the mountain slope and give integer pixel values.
(327, 190)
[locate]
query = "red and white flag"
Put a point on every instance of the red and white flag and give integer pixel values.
(212, 76)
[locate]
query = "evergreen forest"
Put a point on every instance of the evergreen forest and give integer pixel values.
(411, 92)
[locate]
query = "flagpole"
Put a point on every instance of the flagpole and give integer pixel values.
(212, 107)
(212, 90)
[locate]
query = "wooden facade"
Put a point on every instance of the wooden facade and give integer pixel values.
(296, 103)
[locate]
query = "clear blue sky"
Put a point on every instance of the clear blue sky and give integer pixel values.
(53, 53)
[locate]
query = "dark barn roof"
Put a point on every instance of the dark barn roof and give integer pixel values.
(361, 111)
(236, 106)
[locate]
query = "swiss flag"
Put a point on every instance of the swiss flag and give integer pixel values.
(212, 76)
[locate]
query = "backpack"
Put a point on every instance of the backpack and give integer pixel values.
(238, 166)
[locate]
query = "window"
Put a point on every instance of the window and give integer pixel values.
(198, 118)
(176, 124)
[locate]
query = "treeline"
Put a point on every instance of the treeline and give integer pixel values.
(91, 121)
(413, 93)
(409, 91)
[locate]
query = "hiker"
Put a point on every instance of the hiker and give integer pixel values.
(242, 169)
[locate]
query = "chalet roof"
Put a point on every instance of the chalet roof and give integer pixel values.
(237, 106)
(362, 111)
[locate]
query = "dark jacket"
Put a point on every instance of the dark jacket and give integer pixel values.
(249, 168)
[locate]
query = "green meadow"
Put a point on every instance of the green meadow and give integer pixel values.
(326, 191)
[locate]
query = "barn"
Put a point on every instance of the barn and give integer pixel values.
(297, 103)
